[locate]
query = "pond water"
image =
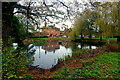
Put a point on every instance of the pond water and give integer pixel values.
(47, 58)
(47, 55)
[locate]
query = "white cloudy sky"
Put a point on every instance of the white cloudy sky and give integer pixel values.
(60, 0)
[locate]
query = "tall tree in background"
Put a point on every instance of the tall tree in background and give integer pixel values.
(109, 22)
(115, 28)
(103, 18)
(80, 26)
(84, 23)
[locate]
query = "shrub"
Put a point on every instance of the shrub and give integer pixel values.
(13, 63)
(114, 47)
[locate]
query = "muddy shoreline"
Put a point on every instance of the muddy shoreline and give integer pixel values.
(36, 70)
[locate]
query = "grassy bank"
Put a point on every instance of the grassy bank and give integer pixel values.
(58, 38)
(103, 66)
(105, 38)
(96, 38)
(39, 38)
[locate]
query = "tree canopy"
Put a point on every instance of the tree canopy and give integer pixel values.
(103, 19)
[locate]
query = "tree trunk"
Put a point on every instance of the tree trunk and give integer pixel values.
(20, 43)
(81, 37)
(81, 46)
(100, 38)
(7, 14)
(90, 34)
(90, 46)
(118, 38)
(5, 36)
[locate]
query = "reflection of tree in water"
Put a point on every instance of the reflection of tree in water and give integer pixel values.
(39, 51)
(45, 52)
(90, 46)
(54, 51)
(77, 47)
(29, 49)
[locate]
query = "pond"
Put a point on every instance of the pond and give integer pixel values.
(47, 55)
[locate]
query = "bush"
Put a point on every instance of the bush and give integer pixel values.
(113, 47)
(13, 63)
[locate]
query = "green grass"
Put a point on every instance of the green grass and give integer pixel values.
(39, 38)
(59, 38)
(104, 38)
(39, 42)
(106, 66)
(111, 38)
(96, 38)
(80, 38)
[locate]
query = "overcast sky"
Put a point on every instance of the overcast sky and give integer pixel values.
(68, 22)
(62, 0)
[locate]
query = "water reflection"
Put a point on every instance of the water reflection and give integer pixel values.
(46, 55)
(86, 47)
(15, 45)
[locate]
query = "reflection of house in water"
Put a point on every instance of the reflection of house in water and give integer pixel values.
(66, 44)
(51, 47)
